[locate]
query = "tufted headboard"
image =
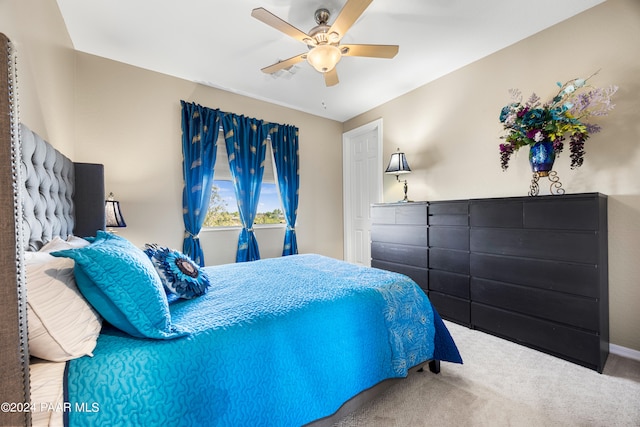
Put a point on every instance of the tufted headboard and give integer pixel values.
(48, 186)
(59, 197)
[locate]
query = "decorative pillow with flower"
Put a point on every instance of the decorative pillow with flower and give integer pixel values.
(179, 274)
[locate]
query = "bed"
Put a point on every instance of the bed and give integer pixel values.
(279, 342)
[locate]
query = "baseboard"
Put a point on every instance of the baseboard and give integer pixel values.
(624, 352)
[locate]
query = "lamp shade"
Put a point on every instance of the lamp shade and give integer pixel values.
(324, 57)
(113, 214)
(398, 164)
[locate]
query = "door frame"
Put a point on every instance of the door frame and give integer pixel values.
(347, 137)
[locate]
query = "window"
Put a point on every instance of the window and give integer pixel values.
(223, 207)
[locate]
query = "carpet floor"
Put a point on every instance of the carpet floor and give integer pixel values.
(504, 384)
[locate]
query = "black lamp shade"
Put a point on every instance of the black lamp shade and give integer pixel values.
(398, 164)
(113, 214)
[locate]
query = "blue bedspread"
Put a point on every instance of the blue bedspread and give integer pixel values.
(276, 342)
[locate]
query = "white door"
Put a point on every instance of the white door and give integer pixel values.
(362, 176)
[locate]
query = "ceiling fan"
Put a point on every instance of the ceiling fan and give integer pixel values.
(323, 40)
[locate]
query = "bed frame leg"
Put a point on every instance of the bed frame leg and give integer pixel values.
(434, 366)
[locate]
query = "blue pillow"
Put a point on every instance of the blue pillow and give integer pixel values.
(179, 274)
(121, 283)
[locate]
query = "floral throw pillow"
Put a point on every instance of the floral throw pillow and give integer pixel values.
(179, 274)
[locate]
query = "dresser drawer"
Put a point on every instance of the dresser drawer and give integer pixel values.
(412, 214)
(449, 213)
(460, 207)
(567, 309)
(549, 213)
(449, 260)
(461, 220)
(449, 237)
(415, 235)
(417, 274)
(570, 278)
(570, 246)
(496, 213)
(383, 214)
(568, 343)
(449, 283)
(404, 213)
(403, 254)
(451, 308)
(571, 214)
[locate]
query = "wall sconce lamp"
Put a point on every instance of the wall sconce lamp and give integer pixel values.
(397, 166)
(114, 218)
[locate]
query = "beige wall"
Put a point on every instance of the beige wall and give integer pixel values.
(450, 132)
(46, 62)
(129, 119)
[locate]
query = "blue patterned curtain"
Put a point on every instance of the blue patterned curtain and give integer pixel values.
(200, 127)
(284, 142)
(246, 141)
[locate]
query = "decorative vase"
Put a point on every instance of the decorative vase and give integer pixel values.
(541, 157)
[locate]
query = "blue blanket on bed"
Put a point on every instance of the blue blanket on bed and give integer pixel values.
(276, 342)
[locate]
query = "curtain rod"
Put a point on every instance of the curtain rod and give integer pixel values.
(241, 115)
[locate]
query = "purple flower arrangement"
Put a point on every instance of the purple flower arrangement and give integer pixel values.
(564, 116)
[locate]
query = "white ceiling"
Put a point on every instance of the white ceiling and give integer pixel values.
(218, 43)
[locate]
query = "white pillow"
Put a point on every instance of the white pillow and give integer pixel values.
(59, 244)
(62, 325)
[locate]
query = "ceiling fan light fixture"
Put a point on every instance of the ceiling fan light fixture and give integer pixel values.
(323, 40)
(324, 57)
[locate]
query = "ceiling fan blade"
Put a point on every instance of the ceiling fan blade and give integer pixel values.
(331, 77)
(348, 16)
(370, 50)
(261, 14)
(284, 64)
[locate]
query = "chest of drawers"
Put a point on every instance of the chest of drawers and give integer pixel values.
(533, 270)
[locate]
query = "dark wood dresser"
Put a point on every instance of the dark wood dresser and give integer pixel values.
(533, 270)
(399, 240)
